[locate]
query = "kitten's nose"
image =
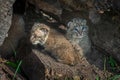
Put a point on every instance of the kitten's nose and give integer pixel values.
(79, 32)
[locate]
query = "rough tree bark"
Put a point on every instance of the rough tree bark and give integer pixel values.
(5, 18)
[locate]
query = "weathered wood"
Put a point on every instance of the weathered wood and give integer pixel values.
(13, 16)
(48, 6)
(105, 36)
(38, 65)
(15, 33)
(5, 18)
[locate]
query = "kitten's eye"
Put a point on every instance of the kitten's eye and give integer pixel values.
(43, 30)
(83, 28)
(76, 28)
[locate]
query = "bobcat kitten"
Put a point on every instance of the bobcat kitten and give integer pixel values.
(77, 34)
(56, 45)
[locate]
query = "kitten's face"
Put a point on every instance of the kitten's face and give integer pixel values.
(39, 34)
(77, 28)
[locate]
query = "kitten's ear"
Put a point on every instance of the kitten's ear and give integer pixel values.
(69, 24)
(84, 22)
(75, 20)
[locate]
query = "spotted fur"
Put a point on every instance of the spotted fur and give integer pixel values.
(77, 34)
